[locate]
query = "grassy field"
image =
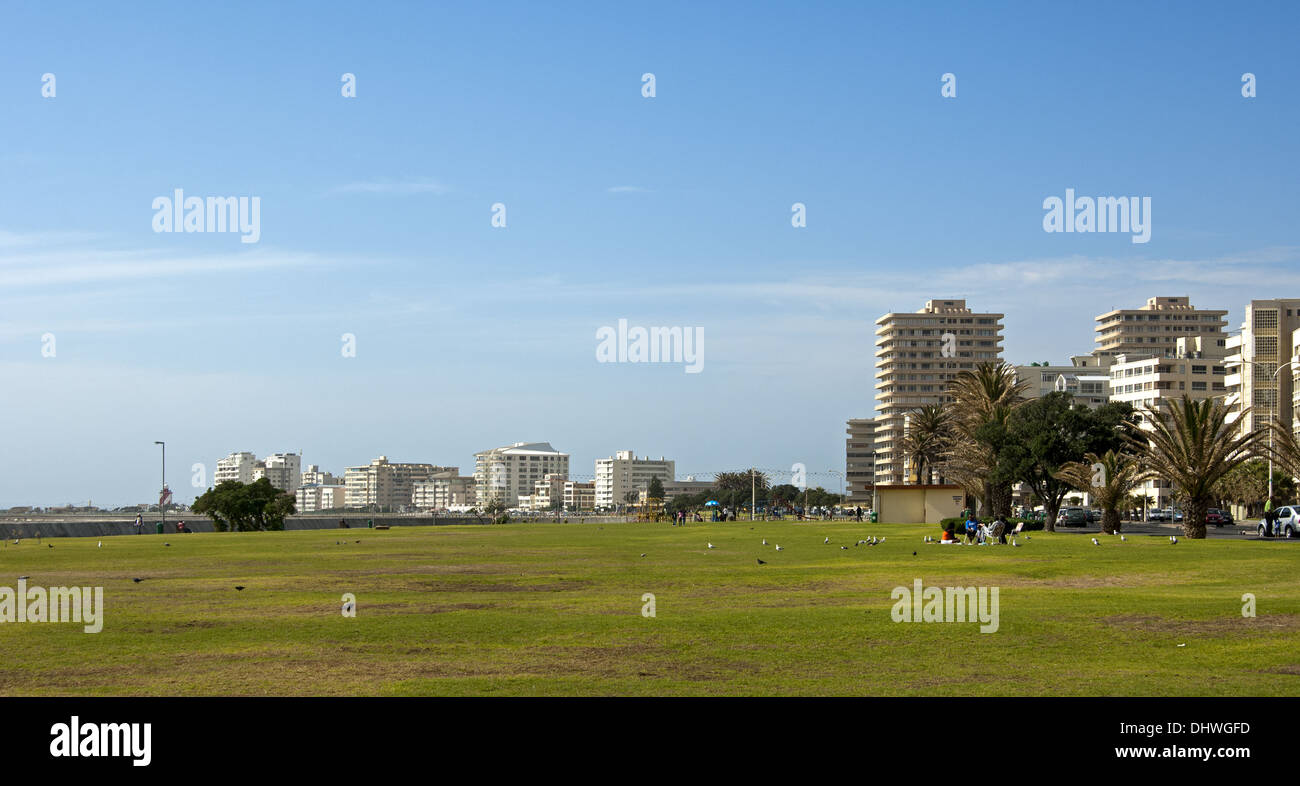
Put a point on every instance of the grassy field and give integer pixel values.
(556, 609)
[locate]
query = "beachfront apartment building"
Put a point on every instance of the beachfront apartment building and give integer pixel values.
(624, 474)
(313, 476)
(235, 467)
(1259, 377)
(384, 486)
(918, 354)
(860, 461)
(1154, 328)
(443, 491)
(506, 474)
(317, 497)
(284, 470)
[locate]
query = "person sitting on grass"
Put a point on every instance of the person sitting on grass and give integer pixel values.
(972, 530)
(949, 533)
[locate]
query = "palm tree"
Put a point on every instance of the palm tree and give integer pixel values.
(1284, 447)
(1192, 445)
(927, 431)
(983, 398)
(1109, 478)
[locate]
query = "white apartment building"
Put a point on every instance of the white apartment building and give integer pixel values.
(624, 473)
(1086, 379)
(1155, 327)
(508, 473)
(1149, 383)
(317, 497)
(860, 461)
(237, 467)
(443, 491)
(282, 469)
(382, 485)
(1257, 378)
(917, 356)
(313, 476)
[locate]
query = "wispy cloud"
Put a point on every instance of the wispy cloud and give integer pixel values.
(390, 188)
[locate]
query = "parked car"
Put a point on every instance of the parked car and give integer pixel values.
(1287, 524)
(1217, 517)
(1072, 517)
(1094, 516)
(1155, 514)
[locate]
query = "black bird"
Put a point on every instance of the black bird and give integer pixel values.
(137, 581)
(358, 541)
(239, 589)
(761, 562)
(51, 545)
(913, 553)
(167, 544)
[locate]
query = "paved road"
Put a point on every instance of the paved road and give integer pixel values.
(1164, 529)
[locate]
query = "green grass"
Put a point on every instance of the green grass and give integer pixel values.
(555, 609)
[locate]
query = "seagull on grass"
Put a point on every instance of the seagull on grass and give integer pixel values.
(828, 540)
(764, 541)
(844, 548)
(1123, 539)
(1173, 539)
(1095, 543)
(778, 547)
(101, 545)
(710, 545)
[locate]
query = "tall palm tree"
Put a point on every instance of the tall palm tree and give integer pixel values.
(983, 398)
(1110, 478)
(1191, 444)
(927, 431)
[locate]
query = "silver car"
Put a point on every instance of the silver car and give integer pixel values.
(1287, 524)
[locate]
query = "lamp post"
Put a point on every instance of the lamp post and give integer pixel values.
(1272, 416)
(162, 495)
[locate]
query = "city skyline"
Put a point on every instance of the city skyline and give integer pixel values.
(375, 220)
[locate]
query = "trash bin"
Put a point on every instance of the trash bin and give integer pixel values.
(873, 517)
(159, 527)
(370, 523)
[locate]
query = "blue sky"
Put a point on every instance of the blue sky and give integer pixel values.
(375, 216)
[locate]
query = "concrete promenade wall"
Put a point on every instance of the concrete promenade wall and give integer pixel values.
(100, 526)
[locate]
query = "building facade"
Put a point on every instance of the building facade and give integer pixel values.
(623, 474)
(860, 461)
(1155, 328)
(443, 491)
(238, 467)
(507, 474)
(1257, 355)
(384, 486)
(918, 354)
(317, 497)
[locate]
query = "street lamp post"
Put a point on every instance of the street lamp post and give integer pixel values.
(162, 509)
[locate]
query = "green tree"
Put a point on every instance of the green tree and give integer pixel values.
(927, 432)
(655, 489)
(245, 507)
(1192, 445)
(1045, 434)
(1110, 478)
(983, 399)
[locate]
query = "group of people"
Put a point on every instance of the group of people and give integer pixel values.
(679, 518)
(972, 534)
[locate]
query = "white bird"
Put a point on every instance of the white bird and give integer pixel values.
(710, 545)
(1095, 543)
(828, 540)
(764, 541)
(1121, 537)
(101, 545)
(778, 547)
(1173, 538)
(845, 548)
(882, 540)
